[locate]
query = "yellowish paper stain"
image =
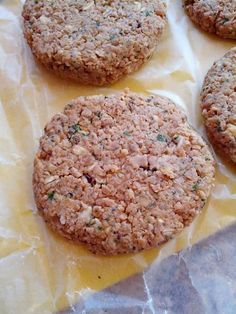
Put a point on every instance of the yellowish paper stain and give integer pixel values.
(39, 271)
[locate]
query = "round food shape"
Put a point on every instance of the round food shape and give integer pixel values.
(93, 42)
(121, 173)
(213, 16)
(218, 101)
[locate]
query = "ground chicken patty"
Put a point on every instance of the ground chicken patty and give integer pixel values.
(121, 173)
(93, 42)
(214, 16)
(218, 99)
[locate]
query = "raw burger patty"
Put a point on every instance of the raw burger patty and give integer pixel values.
(94, 42)
(214, 16)
(121, 173)
(218, 101)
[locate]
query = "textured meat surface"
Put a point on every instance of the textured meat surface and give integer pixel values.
(214, 16)
(218, 101)
(93, 42)
(121, 173)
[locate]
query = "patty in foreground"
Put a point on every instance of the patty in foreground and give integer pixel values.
(121, 173)
(93, 42)
(218, 101)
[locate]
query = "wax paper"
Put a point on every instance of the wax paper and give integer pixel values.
(43, 273)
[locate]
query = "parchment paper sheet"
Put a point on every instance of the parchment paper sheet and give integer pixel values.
(39, 271)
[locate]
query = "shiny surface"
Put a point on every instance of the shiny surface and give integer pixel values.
(40, 272)
(200, 279)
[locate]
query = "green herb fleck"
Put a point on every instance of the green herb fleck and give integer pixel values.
(195, 187)
(113, 36)
(98, 23)
(147, 13)
(85, 133)
(127, 133)
(51, 195)
(76, 128)
(161, 138)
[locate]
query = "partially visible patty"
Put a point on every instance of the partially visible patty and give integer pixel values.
(214, 16)
(121, 173)
(218, 100)
(93, 42)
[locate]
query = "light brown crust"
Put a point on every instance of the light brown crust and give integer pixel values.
(213, 16)
(93, 42)
(121, 173)
(218, 101)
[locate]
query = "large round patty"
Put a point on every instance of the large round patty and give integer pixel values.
(218, 99)
(121, 173)
(214, 16)
(93, 42)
